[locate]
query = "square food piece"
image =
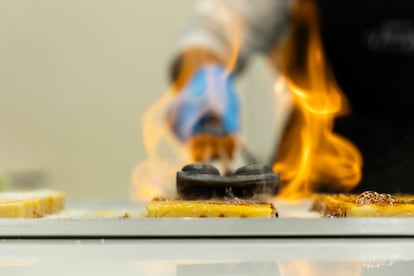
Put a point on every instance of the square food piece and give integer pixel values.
(164, 208)
(34, 204)
(367, 204)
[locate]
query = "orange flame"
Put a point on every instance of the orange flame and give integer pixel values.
(310, 154)
(234, 32)
(155, 176)
(196, 56)
(313, 268)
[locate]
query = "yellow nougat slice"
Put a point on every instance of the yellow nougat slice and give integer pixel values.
(367, 204)
(209, 208)
(30, 204)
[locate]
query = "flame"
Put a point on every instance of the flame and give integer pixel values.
(155, 176)
(234, 30)
(311, 155)
(192, 58)
(313, 268)
(166, 155)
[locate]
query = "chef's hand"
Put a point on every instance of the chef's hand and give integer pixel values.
(205, 114)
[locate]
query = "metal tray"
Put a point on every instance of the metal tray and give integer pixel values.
(103, 219)
(204, 228)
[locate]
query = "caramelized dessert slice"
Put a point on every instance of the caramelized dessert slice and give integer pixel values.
(163, 208)
(34, 204)
(367, 204)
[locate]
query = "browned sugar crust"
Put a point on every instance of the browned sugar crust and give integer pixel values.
(336, 205)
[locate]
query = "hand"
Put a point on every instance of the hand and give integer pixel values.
(206, 107)
(208, 104)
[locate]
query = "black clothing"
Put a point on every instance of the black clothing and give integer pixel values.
(370, 46)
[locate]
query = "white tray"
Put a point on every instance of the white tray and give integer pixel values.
(103, 219)
(152, 228)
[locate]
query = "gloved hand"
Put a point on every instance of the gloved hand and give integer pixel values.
(209, 96)
(207, 106)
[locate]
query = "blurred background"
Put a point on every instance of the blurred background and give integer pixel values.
(75, 78)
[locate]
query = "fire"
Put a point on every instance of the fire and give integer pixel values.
(311, 155)
(155, 176)
(196, 56)
(306, 268)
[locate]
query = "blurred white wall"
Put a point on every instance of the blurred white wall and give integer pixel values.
(75, 77)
